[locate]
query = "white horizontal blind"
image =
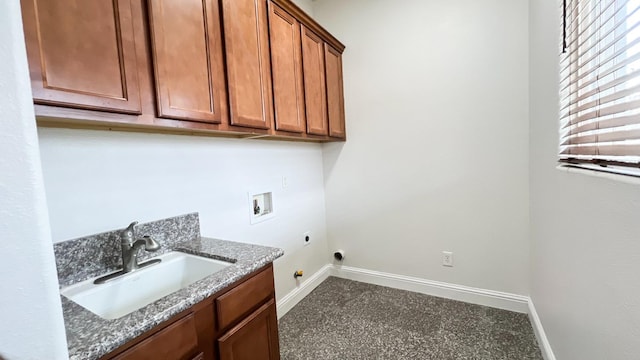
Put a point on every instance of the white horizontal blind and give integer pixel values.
(600, 83)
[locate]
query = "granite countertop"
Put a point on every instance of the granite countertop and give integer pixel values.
(90, 336)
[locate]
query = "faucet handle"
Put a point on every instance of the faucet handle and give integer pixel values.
(150, 244)
(128, 232)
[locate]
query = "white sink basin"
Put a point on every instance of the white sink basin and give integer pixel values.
(134, 290)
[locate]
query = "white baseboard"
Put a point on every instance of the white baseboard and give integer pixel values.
(496, 299)
(541, 336)
(291, 299)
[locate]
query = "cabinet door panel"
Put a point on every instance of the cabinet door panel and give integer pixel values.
(286, 65)
(314, 82)
(245, 297)
(335, 92)
(187, 55)
(255, 338)
(177, 341)
(248, 65)
(82, 54)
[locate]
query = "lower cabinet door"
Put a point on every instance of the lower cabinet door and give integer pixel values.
(255, 338)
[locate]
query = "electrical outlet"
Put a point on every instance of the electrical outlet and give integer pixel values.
(447, 258)
(306, 237)
(285, 182)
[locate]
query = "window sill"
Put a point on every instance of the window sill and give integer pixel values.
(628, 176)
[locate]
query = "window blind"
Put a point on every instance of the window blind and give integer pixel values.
(600, 83)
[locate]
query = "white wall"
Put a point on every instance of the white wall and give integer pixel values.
(32, 326)
(436, 103)
(99, 180)
(305, 5)
(585, 231)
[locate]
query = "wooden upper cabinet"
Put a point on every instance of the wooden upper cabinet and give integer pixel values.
(82, 54)
(248, 66)
(314, 82)
(261, 67)
(335, 92)
(187, 56)
(286, 67)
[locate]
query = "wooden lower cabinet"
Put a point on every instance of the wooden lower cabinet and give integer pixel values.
(177, 341)
(248, 332)
(255, 338)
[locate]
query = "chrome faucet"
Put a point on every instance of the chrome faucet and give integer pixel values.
(130, 246)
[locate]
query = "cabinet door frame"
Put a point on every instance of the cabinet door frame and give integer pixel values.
(313, 128)
(266, 312)
(234, 77)
(217, 112)
(277, 13)
(43, 93)
(335, 111)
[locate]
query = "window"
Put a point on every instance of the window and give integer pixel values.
(600, 85)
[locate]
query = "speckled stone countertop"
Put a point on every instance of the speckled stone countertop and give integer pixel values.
(90, 336)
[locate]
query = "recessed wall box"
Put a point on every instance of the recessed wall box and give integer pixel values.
(261, 206)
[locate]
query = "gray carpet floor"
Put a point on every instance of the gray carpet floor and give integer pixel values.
(344, 319)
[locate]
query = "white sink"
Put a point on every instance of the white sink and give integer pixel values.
(134, 290)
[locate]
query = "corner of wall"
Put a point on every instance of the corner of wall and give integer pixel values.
(30, 308)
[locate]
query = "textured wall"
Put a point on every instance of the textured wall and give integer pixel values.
(31, 325)
(437, 104)
(585, 253)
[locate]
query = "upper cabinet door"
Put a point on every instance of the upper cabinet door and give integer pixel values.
(314, 82)
(248, 65)
(82, 54)
(187, 56)
(335, 92)
(286, 65)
